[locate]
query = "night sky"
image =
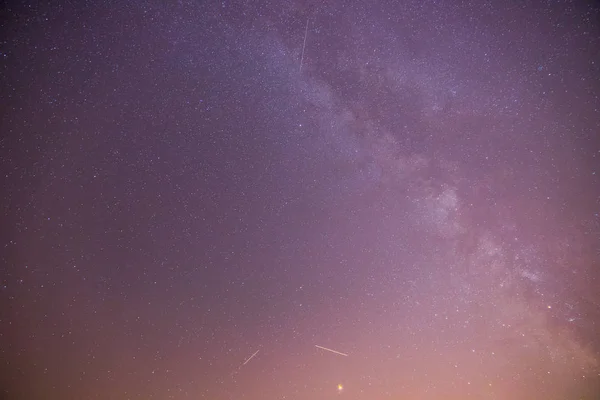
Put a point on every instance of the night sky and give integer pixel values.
(196, 195)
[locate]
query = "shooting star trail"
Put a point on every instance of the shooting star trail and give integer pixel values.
(333, 351)
(251, 357)
(304, 45)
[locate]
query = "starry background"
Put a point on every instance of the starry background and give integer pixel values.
(422, 194)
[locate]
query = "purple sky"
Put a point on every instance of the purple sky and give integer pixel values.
(178, 195)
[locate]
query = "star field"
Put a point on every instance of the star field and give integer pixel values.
(189, 212)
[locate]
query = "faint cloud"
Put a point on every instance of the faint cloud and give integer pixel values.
(533, 276)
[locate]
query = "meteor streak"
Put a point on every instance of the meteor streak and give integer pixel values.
(250, 358)
(304, 45)
(333, 351)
